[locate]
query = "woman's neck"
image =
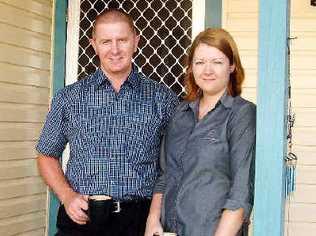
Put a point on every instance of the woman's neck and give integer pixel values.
(207, 103)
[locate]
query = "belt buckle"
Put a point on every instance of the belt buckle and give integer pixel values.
(117, 207)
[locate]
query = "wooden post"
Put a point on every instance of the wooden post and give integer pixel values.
(58, 82)
(271, 118)
(213, 13)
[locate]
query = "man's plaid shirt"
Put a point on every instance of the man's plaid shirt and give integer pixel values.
(114, 138)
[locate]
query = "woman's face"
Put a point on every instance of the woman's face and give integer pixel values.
(211, 69)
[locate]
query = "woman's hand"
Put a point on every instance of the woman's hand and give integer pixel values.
(153, 226)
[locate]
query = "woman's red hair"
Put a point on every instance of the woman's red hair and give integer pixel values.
(223, 41)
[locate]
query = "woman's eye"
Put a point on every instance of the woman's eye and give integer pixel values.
(199, 62)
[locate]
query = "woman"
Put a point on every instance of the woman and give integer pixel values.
(206, 186)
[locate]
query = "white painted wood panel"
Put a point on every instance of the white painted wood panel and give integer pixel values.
(303, 212)
(22, 205)
(304, 41)
(305, 117)
(35, 232)
(24, 75)
(306, 155)
(23, 223)
(305, 193)
(24, 57)
(306, 175)
(23, 94)
(19, 131)
(303, 79)
(24, 38)
(22, 112)
(304, 98)
(243, 6)
(237, 24)
(251, 77)
(25, 45)
(24, 19)
(303, 60)
(41, 8)
(304, 136)
(21, 187)
(302, 229)
(18, 169)
(18, 150)
(302, 9)
(303, 24)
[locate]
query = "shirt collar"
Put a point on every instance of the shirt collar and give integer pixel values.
(132, 79)
(226, 100)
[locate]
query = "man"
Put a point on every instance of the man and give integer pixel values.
(113, 121)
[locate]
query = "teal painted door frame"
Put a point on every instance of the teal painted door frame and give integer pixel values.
(213, 13)
(58, 76)
(272, 102)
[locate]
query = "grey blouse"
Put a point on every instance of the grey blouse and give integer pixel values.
(207, 165)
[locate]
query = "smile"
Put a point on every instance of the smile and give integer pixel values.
(208, 79)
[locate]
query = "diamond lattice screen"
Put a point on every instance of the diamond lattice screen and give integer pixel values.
(165, 29)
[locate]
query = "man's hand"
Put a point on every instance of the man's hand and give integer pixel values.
(53, 175)
(75, 205)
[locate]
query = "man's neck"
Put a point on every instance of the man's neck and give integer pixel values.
(117, 79)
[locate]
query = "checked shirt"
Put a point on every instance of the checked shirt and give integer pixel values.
(114, 138)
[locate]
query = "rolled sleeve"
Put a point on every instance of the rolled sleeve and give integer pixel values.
(171, 102)
(242, 152)
(234, 205)
(52, 140)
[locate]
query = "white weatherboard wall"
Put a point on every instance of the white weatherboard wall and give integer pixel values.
(240, 17)
(25, 50)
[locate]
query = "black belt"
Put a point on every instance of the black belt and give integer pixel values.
(116, 206)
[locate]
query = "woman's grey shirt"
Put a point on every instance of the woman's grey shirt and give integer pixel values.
(207, 165)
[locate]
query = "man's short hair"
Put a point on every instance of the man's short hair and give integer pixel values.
(112, 15)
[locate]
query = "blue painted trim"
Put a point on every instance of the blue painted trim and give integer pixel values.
(58, 75)
(213, 13)
(59, 45)
(271, 118)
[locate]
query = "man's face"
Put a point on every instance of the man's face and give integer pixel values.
(115, 44)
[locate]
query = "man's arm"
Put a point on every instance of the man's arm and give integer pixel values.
(74, 203)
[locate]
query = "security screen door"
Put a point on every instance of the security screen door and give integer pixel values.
(165, 28)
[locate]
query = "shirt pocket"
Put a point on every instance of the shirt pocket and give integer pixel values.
(212, 136)
(213, 146)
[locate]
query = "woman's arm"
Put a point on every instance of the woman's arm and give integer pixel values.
(153, 225)
(230, 222)
(241, 138)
